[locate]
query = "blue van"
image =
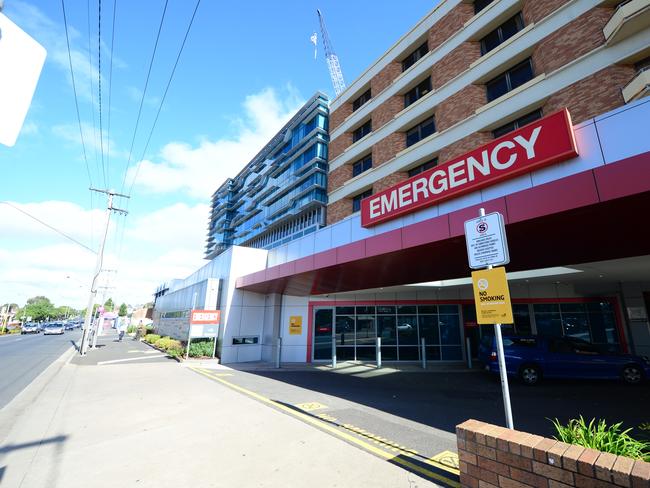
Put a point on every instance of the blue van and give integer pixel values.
(531, 358)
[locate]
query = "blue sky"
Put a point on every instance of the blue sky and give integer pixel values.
(244, 70)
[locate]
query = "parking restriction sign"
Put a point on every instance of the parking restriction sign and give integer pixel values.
(486, 241)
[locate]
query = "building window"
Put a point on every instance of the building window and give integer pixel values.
(423, 167)
(516, 124)
(361, 100)
(356, 200)
(362, 131)
(502, 33)
(415, 56)
(509, 80)
(420, 131)
(480, 5)
(417, 92)
(362, 165)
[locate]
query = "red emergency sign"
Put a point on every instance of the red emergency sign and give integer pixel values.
(546, 141)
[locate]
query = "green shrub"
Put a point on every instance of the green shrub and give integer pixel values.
(151, 338)
(131, 329)
(15, 330)
(602, 437)
(149, 329)
(201, 348)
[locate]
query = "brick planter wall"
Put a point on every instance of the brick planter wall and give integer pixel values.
(492, 456)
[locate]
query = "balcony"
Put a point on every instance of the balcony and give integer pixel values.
(639, 87)
(628, 19)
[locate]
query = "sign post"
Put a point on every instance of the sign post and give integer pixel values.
(203, 324)
(486, 247)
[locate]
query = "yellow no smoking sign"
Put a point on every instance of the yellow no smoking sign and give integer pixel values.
(492, 296)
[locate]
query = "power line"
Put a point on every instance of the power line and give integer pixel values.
(110, 90)
(92, 93)
(74, 88)
(162, 101)
(49, 226)
(99, 84)
(146, 84)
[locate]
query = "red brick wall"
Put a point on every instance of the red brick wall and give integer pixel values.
(339, 115)
(593, 95)
(578, 37)
(389, 181)
(496, 457)
(337, 177)
(386, 111)
(387, 148)
(338, 145)
(536, 10)
(454, 63)
(339, 210)
(459, 106)
(385, 77)
(450, 24)
(464, 145)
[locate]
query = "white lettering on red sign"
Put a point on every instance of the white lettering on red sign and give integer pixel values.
(543, 142)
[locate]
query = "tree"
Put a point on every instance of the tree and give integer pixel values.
(123, 311)
(109, 306)
(39, 308)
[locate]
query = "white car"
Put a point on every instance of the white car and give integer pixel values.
(53, 329)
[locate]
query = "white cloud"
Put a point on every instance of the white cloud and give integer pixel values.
(199, 171)
(156, 247)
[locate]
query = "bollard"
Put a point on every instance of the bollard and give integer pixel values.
(378, 352)
(278, 352)
(468, 348)
(424, 354)
(333, 352)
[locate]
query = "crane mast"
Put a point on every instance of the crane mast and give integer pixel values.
(332, 59)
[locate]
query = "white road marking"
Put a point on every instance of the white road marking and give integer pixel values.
(130, 359)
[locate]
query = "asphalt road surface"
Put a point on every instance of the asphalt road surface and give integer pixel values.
(24, 357)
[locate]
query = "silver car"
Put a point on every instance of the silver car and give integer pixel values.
(51, 329)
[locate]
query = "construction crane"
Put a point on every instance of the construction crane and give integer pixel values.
(332, 59)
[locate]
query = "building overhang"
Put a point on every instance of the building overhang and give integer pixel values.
(589, 216)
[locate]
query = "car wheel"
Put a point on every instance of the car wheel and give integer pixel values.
(632, 374)
(530, 374)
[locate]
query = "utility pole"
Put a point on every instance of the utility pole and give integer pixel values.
(98, 265)
(100, 320)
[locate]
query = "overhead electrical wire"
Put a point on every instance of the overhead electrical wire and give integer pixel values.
(92, 97)
(110, 90)
(99, 87)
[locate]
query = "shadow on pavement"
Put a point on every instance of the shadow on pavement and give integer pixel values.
(25, 445)
(443, 400)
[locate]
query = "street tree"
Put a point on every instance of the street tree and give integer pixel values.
(109, 306)
(123, 311)
(39, 308)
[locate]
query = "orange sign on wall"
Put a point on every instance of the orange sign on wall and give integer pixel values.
(205, 317)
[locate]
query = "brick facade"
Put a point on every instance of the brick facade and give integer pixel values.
(339, 145)
(337, 177)
(339, 210)
(578, 37)
(385, 77)
(387, 148)
(387, 110)
(459, 106)
(593, 95)
(388, 181)
(496, 457)
(534, 10)
(464, 145)
(454, 63)
(450, 24)
(340, 114)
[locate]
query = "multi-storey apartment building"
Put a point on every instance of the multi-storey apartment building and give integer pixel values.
(281, 193)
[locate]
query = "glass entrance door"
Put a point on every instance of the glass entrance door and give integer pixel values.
(323, 330)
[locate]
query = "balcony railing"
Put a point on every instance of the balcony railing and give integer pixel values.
(639, 87)
(628, 19)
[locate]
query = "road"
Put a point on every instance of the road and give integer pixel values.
(24, 357)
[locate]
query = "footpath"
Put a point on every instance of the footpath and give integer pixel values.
(126, 416)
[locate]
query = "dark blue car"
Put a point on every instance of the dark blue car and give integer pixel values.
(531, 358)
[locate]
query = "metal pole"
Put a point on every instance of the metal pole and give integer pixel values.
(187, 350)
(502, 364)
(278, 352)
(424, 353)
(378, 352)
(333, 351)
(214, 348)
(468, 348)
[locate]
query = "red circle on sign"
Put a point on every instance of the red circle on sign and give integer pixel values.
(482, 227)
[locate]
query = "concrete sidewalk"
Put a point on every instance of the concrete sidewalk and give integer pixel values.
(156, 424)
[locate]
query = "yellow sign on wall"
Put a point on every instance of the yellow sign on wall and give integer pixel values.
(295, 325)
(492, 297)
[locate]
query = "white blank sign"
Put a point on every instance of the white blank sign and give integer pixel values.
(21, 62)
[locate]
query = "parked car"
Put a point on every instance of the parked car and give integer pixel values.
(54, 328)
(30, 329)
(531, 358)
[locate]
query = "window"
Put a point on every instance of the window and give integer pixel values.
(480, 5)
(509, 80)
(356, 201)
(502, 33)
(423, 167)
(361, 100)
(238, 341)
(417, 92)
(415, 56)
(362, 165)
(362, 131)
(516, 124)
(420, 131)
